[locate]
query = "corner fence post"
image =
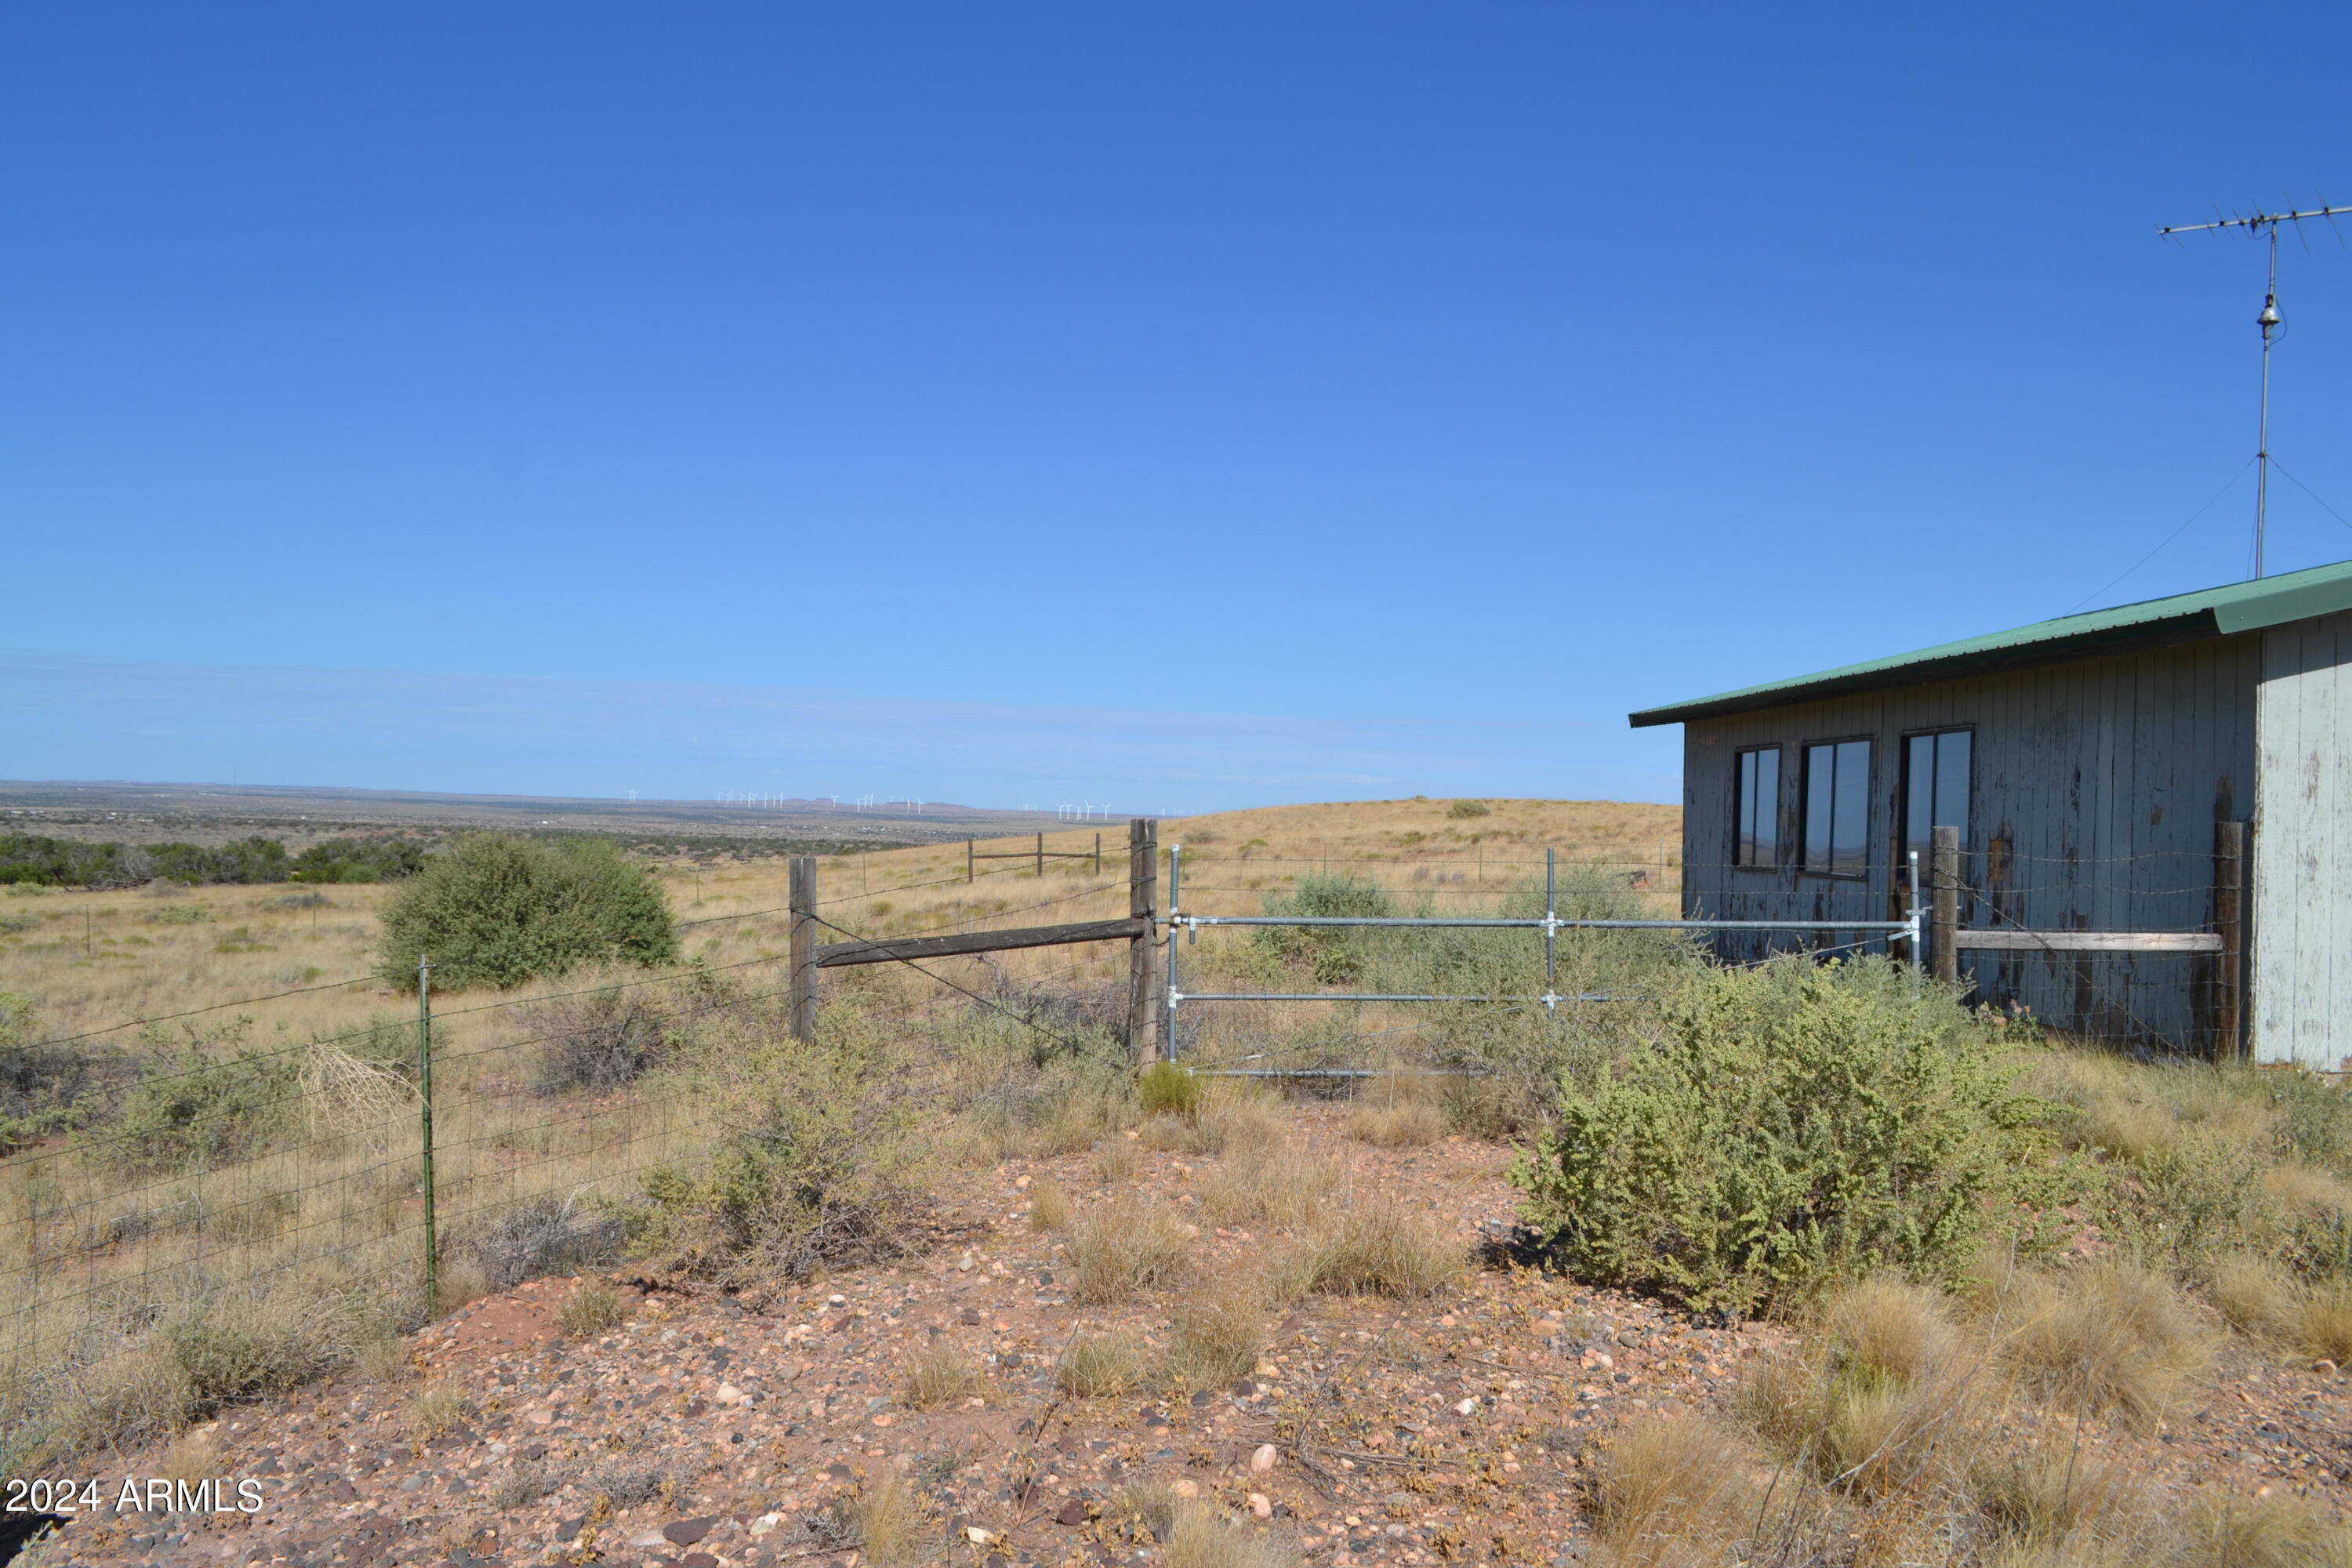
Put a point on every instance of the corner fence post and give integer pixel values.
(425, 1118)
(1142, 894)
(804, 940)
(1944, 906)
(1171, 1041)
(2230, 921)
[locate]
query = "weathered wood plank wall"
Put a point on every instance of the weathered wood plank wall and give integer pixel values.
(2303, 854)
(2096, 784)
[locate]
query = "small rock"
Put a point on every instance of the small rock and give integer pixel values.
(413, 1484)
(1187, 1487)
(765, 1523)
(698, 1560)
(729, 1394)
(1072, 1512)
(1019, 1183)
(2323, 1367)
(687, 1532)
(651, 1540)
(965, 1263)
(1467, 1407)
(1264, 1459)
(980, 1537)
(1261, 1505)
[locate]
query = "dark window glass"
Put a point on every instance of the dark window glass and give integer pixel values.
(1837, 807)
(1756, 809)
(1934, 788)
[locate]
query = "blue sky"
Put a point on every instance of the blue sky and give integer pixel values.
(1191, 407)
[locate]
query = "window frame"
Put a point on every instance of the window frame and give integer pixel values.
(1738, 783)
(1903, 788)
(1805, 805)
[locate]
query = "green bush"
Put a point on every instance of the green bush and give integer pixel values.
(1335, 954)
(203, 1102)
(1166, 1087)
(819, 1161)
(1792, 1124)
(498, 910)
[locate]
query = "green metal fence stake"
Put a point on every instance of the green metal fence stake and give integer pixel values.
(425, 1086)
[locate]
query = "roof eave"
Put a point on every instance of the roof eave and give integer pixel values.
(2168, 632)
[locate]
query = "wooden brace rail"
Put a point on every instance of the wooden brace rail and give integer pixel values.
(835, 955)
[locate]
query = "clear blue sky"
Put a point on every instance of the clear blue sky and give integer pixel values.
(1186, 406)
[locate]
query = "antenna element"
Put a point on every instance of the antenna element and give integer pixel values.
(2270, 320)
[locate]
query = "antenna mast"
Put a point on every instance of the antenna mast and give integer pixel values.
(2269, 322)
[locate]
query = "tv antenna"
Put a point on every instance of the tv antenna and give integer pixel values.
(2271, 322)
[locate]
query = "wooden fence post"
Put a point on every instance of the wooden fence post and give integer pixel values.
(967, 860)
(1944, 903)
(1142, 898)
(803, 959)
(2230, 921)
(1041, 857)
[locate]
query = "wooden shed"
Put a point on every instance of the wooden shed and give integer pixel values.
(2103, 771)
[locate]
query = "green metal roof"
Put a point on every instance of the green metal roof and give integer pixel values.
(2152, 623)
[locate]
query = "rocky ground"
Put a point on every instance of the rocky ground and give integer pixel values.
(699, 1434)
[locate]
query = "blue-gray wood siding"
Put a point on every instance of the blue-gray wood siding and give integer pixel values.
(2303, 854)
(2095, 788)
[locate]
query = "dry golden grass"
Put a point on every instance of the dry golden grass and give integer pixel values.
(938, 1375)
(889, 1523)
(1198, 1537)
(1049, 1206)
(1115, 1161)
(1217, 1333)
(1279, 1187)
(1672, 1494)
(1376, 1248)
(1887, 1397)
(437, 1409)
(2105, 1336)
(1124, 1246)
(593, 1306)
(193, 1456)
(1097, 1362)
(1400, 1126)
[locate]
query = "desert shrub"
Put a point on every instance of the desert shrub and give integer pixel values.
(1402, 1112)
(603, 1039)
(1334, 954)
(889, 1522)
(46, 1089)
(241, 1351)
(1462, 809)
(629, 1483)
(438, 1409)
(357, 861)
(1795, 1123)
(202, 1101)
(821, 1161)
(530, 1240)
(498, 910)
(1115, 1161)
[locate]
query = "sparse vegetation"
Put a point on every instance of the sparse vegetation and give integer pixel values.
(1126, 1246)
(593, 1308)
(1375, 1248)
(938, 1375)
(1097, 1362)
(1217, 1335)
